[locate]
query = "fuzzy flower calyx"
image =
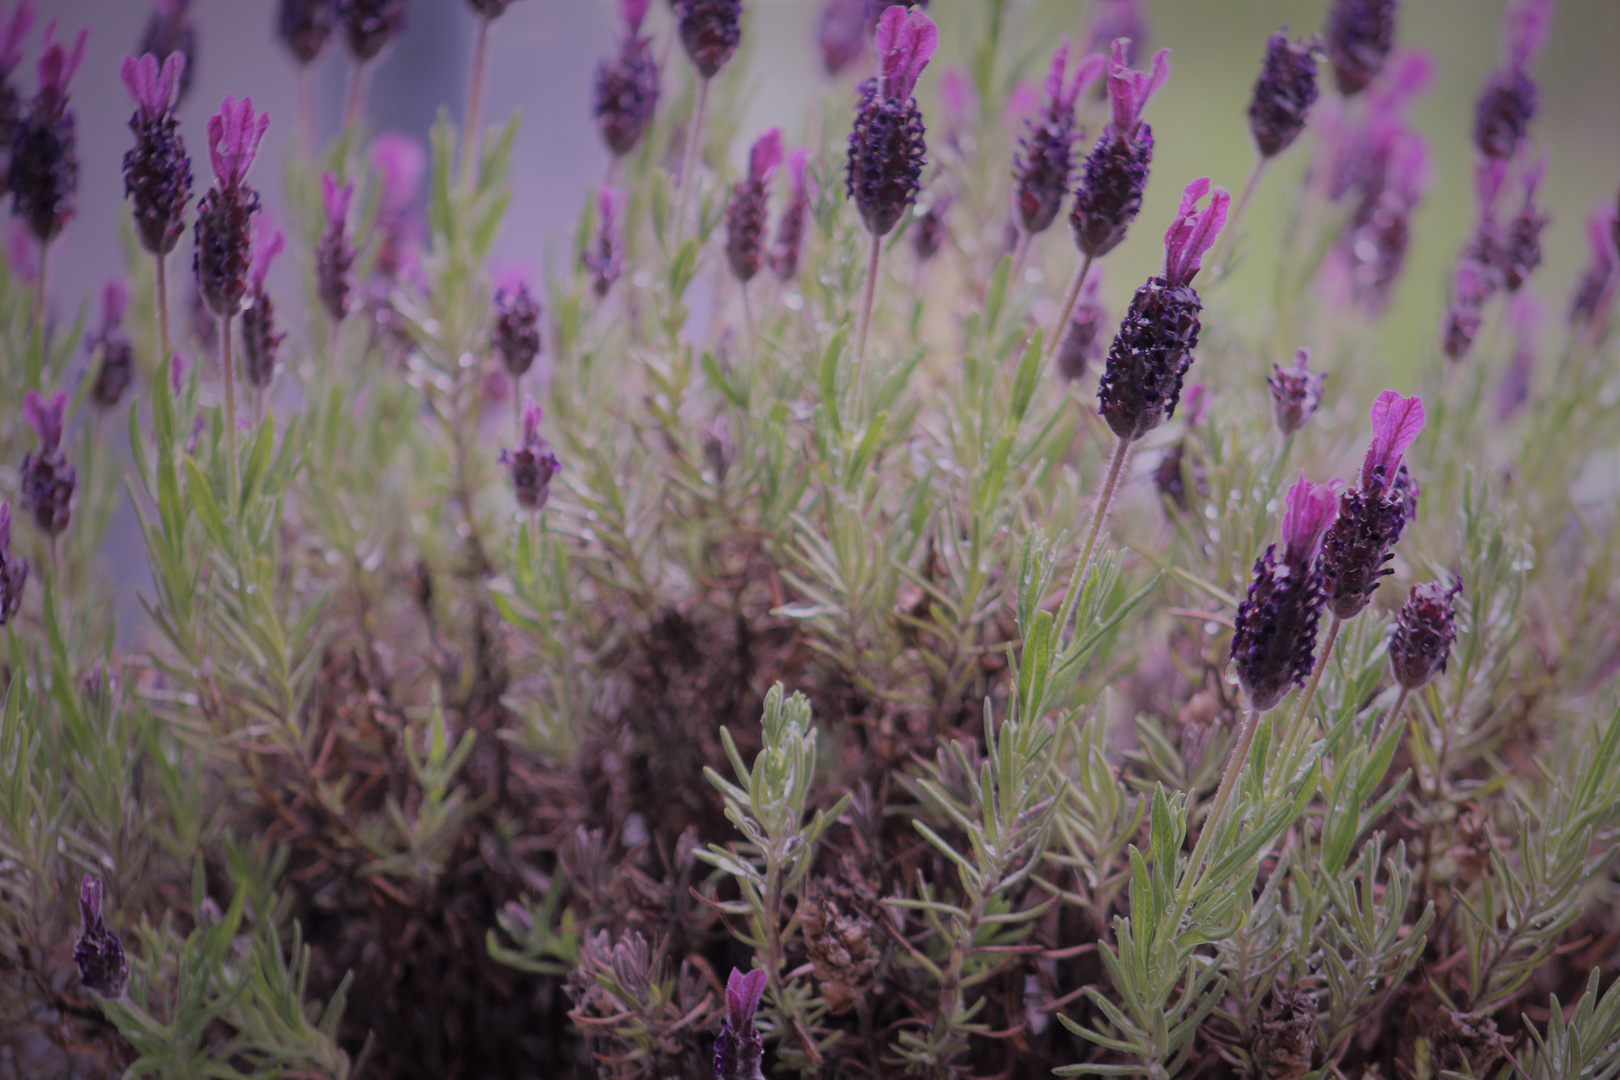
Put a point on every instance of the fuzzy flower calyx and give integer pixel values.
(790, 227)
(334, 256)
(626, 91)
(739, 1050)
(1424, 632)
(43, 173)
(1083, 338)
(369, 25)
(305, 26)
(604, 257)
(116, 370)
(1510, 99)
(223, 231)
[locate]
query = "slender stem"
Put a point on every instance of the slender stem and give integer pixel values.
(1223, 247)
(306, 111)
(517, 408)
(226, 361)
(870, 292)
(694, 139)
(1321, 665)
(1073, 295)
(1394, 716)
(475, 102)
(1116, 467)
(357, 95)
(1020, 253)
(1223, 795)
(163, 306)
(39, 291)
(748, 317)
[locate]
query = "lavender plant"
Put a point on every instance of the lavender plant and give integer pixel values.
(540, 647)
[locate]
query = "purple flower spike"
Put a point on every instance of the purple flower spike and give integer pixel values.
(157, 173)
(99, 953)
(1130, 91)
(1115, 20)
(841, 33)
(1194, 231)
(116, 371)
(1603, 272)
(1524, 317)
(1046, 152)
(1284, 93)
(1510, 98)
(260, 341)
(13, 571)
(790, 229)
(739, 1050)
(515, 335)
(1360, 34)
(369, 25)
(532, 465)
(1295, 393)
(1424, 632)
(1082, 343)
(334, 256)
(1115, 173)
(604, 258)
(48, 480)
(1396, 422)
(906, 39)
(1518, 248)
(627, 84)
(234, 135)
(43, 173)
(745, 213)
(168, 32)
(886, 148)
(1274, 644)
(710, 31)
(305, 26)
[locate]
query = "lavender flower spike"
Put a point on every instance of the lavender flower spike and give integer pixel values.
(627, 84)
(1283, 94)
(305, 26)
(790, 227)
(515, 335)
(1510, 99)
(604, 258)
(745, 213)
(1424, 632)
(532, 464)
(1082, 342)
(739, 1050)
(1046, 152)
(13, 572)
(223, 232)
(1360, 34)
(710, 31)
(334, 256)
(47, 479)
(1518, 248)
(1153, 348)
(170, 32)
(99, 953)
(43, 174)
(1602, 273)
(259, 338)
(157, 173)
(1295, 393)
(1274, 645)
(886, 149)
(1115, 172)
(116, 371)
(1373, 514)
(369, 25)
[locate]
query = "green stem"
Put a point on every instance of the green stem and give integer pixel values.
(867, 296)
(1321, 665)
(1228, 240)
(1223, 795)
(1061, 327)
(1116, 467)
(163, 306)
(1394, 715)
(475, 102)
(226, 361)
(694, 139)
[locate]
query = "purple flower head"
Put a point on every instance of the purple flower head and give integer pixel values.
(1115, 20)
(116, 371)
(784, 258)
(931, 231)
(604, 256)
(99, 953)
(906, 39)
(13, 571)
(745, 213)
(739, 1050)
(1295, 393)
(515, 334)
(305, 26)
(710, 31)
(234, 135)
(334, 255)
(13, 33)
(1424, 632)
(1274, 645)
(1283, 94)
(1510, 99)
(335, 200)
(627, 84)
(1524, 318)
(1130, 91)
(532, 465)
(46, 418)
(260, 341)
(267, 251)
(1194, 231)
(114, 302)
(57, 65)
(765, 157)
(48, 481)
(369, 25)
(1396, 422)
(1376, 242)
(153, 87)
(1602, 273)
(1308, 511)
(1046, 152)
(1518, 246)
(1360, 34)
(1083, 339)
(841, 33)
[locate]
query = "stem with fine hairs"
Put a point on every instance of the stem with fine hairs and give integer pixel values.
(39, 292)
(357, 95)
(1061, 327)
(475, 102)
(1321, 664)
(163, 306)
(1394, 716)
(694, 139)
(1116, 467)
(232, 465)
(867, 295)
(1223, 795)
(1223, 247)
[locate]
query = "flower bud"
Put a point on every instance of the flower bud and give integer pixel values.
(931, 231)
(157, 173)
(604, 257)
(1360, 34)
(223, 232)
(369, 25)
(1295, 393)
(710, 31)
(47, 479)
(13, 570)
(334, 257)
(531, 464)
(99, 953)
(1284, 93)
(739, 1049)
(790, 228)
(1153, 349)
(515, 335)
(627, 85)
(304, 27)
(1603, 271)
(1115, 173)
(1045, 157)
(116, 371)
(260, 341)
(745, 213)
(1082, 343)
(886, 148)
(1425, 629)
(43, 174)
(1510, 99)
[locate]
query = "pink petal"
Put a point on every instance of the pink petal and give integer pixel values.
(1308, 511)
(1396, 422)
(765, 156)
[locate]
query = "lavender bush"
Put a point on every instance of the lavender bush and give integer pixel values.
(537, 678)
